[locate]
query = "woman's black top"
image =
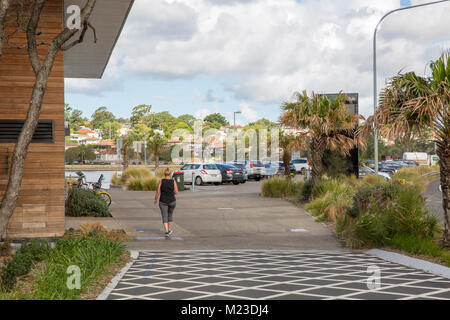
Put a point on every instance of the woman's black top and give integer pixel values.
(167, 191)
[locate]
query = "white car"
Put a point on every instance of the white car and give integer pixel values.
(201, 173)
(301, 165)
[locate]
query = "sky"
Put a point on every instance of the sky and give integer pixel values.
(206, 56)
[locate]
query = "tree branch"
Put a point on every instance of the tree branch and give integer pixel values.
(4, 6)
(31, 34)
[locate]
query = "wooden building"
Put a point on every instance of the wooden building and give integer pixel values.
(40, 209)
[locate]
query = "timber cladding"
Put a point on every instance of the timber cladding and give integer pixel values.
(40, 209)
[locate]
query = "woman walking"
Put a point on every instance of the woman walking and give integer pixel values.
(167, 189)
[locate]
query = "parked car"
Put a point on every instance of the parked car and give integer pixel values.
(242, 166)
(201, 173)
(301, 165)
(364, 170)
(255, 168)
(274, 169)
(230, 173)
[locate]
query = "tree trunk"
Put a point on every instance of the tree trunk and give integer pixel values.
(287, 156)
(11, 195)
(443, 151)
(156, 162)
(317, 151)
(125, 159)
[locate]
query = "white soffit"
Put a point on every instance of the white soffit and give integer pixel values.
(89, 59)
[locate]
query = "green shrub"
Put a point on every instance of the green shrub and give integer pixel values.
(138, 179)
(86, 203)
(115, 180)
(135, 173)
(150, 183)
(416, 245)
(414, 175)
(331, 198)
(22, 262)
(382, 211)
(5, 248)
(372, 179)
(37, 250)
(135, 184)
(281, 187)
(307, 190)
(91, 254)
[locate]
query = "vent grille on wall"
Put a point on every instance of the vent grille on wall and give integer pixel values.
(4, 165)
(10, 130)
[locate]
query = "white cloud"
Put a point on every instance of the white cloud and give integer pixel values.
(271, 48)
(202, 113)
(248, 113)
(111, 81)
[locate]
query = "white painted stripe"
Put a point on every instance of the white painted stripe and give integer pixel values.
(432, 268)
(110, 287)
(298, 230)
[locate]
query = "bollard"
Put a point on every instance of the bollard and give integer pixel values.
(193, 182)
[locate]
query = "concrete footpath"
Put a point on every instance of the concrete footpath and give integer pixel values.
(220, 217)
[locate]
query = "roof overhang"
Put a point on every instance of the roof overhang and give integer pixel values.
(89, 59)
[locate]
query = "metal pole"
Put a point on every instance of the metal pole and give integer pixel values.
(145, 153)
(375, 92)
(234, 134)
(235, 142)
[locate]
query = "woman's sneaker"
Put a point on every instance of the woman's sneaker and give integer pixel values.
(170, 232)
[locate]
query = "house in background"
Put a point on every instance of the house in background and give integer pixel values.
(40, 209)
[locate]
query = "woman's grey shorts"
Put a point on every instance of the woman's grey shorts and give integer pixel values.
(167, 211)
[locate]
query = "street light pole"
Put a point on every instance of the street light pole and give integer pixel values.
(375, 93)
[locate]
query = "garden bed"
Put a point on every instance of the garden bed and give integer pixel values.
(372, 212)
(99, 254)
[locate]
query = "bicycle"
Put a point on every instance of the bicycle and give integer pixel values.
(95, 187)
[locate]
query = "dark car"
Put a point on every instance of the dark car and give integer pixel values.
(241, 166)
(291, 167)
(231, 173)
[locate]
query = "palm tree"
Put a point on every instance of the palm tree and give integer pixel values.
(155, 144)
(322, 124)
(289, 143)
(127, 143)
(411, 104)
